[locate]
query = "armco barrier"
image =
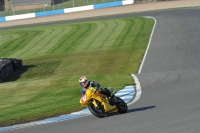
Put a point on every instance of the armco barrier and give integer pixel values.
(67, 10)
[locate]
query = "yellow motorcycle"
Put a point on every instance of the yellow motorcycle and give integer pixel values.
(99, 104)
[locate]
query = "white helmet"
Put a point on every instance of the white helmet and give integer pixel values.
(83, 79)
(84, 82)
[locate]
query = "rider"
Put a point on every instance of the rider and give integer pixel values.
(85, 84)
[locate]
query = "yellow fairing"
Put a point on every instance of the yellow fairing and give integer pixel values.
(93, 95)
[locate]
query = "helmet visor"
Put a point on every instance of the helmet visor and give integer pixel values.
(83, 84)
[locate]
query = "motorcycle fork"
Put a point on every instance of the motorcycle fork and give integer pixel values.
(97, 104)
(109, 108)
(94, 103)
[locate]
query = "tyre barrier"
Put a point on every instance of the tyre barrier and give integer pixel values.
(8, 66)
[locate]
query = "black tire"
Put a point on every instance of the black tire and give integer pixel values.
(121, 105)
(96, 111)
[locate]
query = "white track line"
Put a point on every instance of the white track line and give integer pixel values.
(148, 44)
(138, 87)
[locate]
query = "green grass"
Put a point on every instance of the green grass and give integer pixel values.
(54, 58)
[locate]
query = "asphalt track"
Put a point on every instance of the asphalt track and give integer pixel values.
(169, 79)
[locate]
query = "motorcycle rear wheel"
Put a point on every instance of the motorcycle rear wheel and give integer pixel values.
(121, 105)
(96, 111)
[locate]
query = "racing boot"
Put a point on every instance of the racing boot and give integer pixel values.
(110, 89)
(111, 96)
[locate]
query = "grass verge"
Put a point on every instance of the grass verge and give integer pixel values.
(54, 58)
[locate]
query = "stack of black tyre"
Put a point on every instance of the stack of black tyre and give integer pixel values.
(8, 66)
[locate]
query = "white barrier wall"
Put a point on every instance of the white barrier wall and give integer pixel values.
(67, 10)
(127, 2)
(76, 9)
(22, 16)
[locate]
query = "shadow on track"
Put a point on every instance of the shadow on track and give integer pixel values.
(140, 109)
(132, 110)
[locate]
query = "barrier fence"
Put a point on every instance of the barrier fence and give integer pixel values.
(66, 10)
(41, 7)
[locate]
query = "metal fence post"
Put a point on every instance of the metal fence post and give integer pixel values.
(53, 4)
(13, 8)
(34, 5)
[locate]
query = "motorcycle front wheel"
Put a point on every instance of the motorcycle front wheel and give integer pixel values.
(96, 111)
